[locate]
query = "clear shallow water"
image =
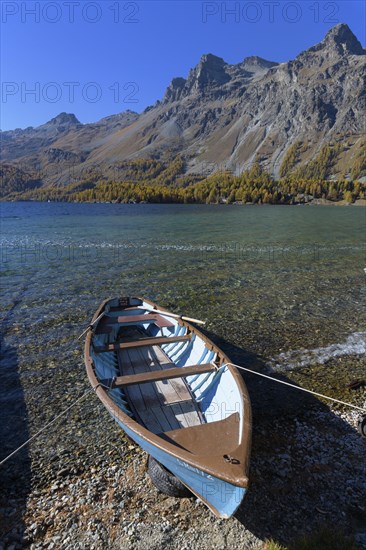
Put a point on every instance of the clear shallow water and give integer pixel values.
(280, 282)
(284, 284)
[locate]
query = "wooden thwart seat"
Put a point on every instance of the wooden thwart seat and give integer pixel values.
(161, 405)
(155, 318)
(165, 374)
(106, 324)
(140, 342)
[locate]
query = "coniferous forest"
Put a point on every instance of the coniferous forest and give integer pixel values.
(155, 181)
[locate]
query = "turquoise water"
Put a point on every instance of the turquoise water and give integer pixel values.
(277, 281)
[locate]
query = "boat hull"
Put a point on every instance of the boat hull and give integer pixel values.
(221, 497)
(211, 459)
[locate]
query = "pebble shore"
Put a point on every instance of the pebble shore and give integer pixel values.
(88, 487)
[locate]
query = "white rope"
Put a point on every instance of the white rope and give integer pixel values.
(223, 366)
(47, 425)
(296, 387)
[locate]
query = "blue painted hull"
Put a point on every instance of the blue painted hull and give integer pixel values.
(210, 456)
(221, 497)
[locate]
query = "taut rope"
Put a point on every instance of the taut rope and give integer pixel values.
(296, 387)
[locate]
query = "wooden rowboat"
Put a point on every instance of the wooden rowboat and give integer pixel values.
(174, 393)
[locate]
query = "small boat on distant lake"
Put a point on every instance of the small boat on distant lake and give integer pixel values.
(173, 392)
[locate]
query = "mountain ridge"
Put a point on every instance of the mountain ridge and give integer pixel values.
(221, 116)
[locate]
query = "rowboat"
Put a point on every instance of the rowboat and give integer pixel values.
(174, 393)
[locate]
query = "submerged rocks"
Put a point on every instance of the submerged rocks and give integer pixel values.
(81, 484)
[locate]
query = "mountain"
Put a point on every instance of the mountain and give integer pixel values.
(219, 116)
(59, 145)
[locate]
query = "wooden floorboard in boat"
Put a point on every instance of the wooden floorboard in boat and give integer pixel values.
(163, 405)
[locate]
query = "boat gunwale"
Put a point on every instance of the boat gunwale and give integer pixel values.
(228, 472)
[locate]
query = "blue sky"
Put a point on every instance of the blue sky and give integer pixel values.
(97, 58)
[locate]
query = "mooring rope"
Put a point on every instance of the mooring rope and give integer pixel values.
(49, 424)
(223, 366)
(296, 387)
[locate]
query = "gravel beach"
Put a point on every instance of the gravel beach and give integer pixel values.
(82, 484)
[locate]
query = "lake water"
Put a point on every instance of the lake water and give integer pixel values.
(283, 283)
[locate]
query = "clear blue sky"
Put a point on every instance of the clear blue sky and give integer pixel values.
(97, 58)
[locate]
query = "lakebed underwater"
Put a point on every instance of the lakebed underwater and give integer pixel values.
(282, 287)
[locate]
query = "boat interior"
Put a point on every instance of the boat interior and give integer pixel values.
(140, 356)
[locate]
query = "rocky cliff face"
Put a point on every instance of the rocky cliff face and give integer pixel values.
(220, 116)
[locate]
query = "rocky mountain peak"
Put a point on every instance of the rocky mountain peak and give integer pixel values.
(340, 41)
(178, 83)
(211, 60)
(210, 70)
(63, 119)
(255, 64)
(255, 61)
(221, 113)
(342, 38)
(175, 88)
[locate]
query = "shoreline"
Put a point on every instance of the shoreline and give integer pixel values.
(278, 297)
(95, 491)
(315, 202)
